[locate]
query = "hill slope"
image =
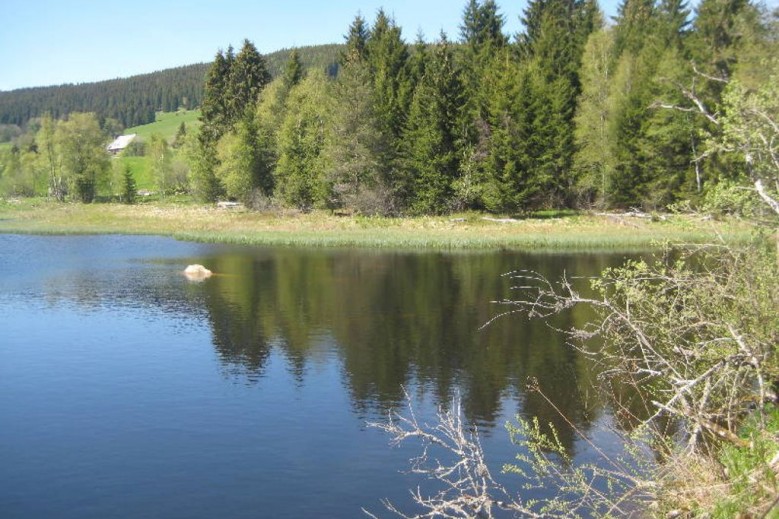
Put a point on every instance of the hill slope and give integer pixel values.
(135, 100)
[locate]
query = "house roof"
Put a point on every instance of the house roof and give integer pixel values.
(121, 142)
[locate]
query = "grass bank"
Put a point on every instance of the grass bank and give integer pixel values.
(202, 223)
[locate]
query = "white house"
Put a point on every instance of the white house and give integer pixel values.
(120, 143)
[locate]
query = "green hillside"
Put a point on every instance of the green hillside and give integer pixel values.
(134, 100)
(166, 124)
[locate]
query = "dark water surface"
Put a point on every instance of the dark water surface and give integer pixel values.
(128, 391)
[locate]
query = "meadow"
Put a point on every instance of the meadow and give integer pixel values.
(166, 124)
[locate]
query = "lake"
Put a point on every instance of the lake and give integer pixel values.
(128, 391)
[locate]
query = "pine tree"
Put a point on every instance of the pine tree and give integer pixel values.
(635, 19)
(181, 135)
(717, 35)
(203, 164)
(651, 148)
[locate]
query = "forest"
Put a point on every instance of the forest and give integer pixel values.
(573, 112)
(134, 100)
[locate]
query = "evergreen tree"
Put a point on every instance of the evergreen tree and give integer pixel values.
(431, 139)
(353, 148)
(247, 76)
(129, 189)
(356, 40)
(635, 19)
(556, 31)
(417, 62)
(293, 72)
(203, 162)
(651, 148)
(510, 180)
(181, 135)
(717, 35)
(482, 26)
(481, 34)
(387, 57)
(214, 111)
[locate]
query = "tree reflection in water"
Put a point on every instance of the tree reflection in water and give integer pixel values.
(405, 319)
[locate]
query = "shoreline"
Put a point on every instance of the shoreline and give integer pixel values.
(465, 231)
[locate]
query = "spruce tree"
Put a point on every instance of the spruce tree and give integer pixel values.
(509, 180)
(181, 135)
(483, 41)
(552, 47)
(293, 71)
(129, 189)
(353, 147)
(388, 60)
(356, 40)
(214, 112)
(431, 155)
(247, 77)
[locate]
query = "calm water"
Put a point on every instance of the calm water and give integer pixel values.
(128, 391)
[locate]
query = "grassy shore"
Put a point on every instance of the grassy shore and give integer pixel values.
(187, 221)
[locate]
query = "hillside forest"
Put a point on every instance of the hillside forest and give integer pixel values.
(573, 112)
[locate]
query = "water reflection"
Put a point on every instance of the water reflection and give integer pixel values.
(405, 319)
(389, 319)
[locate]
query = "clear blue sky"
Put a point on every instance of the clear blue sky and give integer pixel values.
(48, 42)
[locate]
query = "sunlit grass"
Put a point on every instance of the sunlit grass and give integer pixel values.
(195, 222)
(166, 124)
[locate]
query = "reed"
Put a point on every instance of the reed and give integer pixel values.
(187, 221)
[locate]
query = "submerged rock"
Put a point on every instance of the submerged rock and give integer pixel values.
(197, 272)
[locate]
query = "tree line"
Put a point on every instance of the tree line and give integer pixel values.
(134, 101)
(573, 112)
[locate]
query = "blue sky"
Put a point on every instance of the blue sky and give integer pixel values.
(48, 42)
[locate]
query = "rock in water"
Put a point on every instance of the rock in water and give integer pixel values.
(197, 272)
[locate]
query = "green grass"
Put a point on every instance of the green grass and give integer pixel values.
(186, 220)
(753, 483)
(140, 168)
(166, 124)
